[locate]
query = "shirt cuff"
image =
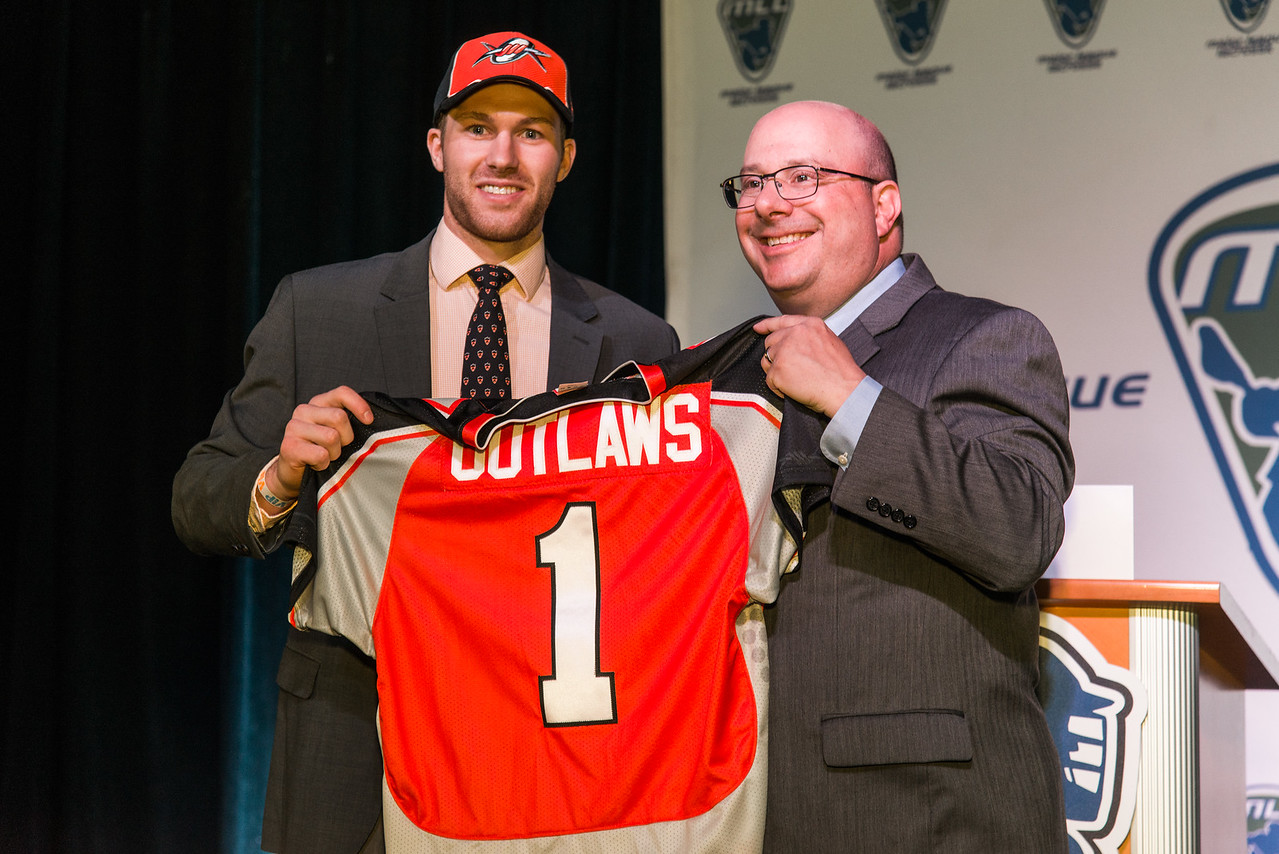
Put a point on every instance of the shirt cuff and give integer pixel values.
(840, 437)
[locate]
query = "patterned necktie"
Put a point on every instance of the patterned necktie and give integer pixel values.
(486, 365)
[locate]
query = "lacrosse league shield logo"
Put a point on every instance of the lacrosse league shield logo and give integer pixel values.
(1245, 15)
(912, 26)
(1263, 819)
(1094, 710)
(1075, 20)
(754, 29)
(1214, 279)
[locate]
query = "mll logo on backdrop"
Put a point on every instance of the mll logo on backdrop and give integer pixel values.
(1263, 819)
(912, 25)
(1214, 279)
(1246, 15)
(754, 30)
(1075, 20)
(1094, 710)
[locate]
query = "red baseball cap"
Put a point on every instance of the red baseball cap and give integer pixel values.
(505, 58)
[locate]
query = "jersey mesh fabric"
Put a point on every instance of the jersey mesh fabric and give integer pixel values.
(570, 648)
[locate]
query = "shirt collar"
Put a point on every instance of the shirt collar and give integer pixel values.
(452, 259)
(841, 318)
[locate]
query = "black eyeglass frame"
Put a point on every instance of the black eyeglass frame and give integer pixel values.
(732, 196)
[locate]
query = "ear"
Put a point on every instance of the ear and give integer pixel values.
(567, 158)
(435, 146)
(888, 206)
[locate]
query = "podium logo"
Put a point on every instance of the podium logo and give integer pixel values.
(1094, 710)
(754, 29)
(1246, 15)
(1263, 819)
(1214, 279)
(912, 25)
(1075, 20)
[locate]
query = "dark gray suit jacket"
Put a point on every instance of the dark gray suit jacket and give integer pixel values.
(904, 650)
(365, 324)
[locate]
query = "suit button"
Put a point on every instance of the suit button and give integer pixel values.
(872, 504)
(240, 549)
(885, 509)
(910, 522)
(898, 515)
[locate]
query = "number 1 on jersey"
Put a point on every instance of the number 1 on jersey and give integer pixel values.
(576, 693)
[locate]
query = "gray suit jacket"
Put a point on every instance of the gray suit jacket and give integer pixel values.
(904, 650)
(365, 324)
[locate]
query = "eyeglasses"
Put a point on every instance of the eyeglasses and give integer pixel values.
(793, 182)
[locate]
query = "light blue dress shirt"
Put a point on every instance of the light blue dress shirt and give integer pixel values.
(839, 440)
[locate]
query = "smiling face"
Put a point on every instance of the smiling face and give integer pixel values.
(814, 253)
(502, 153)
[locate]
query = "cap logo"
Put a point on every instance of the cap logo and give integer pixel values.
(496, 58)
(510, 51)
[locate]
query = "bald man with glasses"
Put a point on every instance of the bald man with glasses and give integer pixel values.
(904, 649)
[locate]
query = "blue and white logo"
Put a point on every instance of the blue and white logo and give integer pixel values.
(1245, 15)
(1075, 20)
(754, 29)
(1094, 710)
(912, 26)
(1263, 819)
(1214, 280)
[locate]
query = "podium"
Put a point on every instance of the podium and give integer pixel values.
(1143, 682)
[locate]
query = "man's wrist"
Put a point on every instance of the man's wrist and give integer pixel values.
(267, 508)
(264, 491)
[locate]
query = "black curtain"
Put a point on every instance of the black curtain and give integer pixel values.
(166, 163)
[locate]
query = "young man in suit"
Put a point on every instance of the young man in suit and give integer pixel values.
(398, 323)
(904, 650)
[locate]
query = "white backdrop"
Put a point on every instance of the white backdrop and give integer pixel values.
(1040, 163)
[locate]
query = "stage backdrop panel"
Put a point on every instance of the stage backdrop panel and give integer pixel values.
(1112, 167)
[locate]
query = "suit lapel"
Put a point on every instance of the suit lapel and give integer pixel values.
(887, 311)
(404, 326)
(575, 344)
(404, 323)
